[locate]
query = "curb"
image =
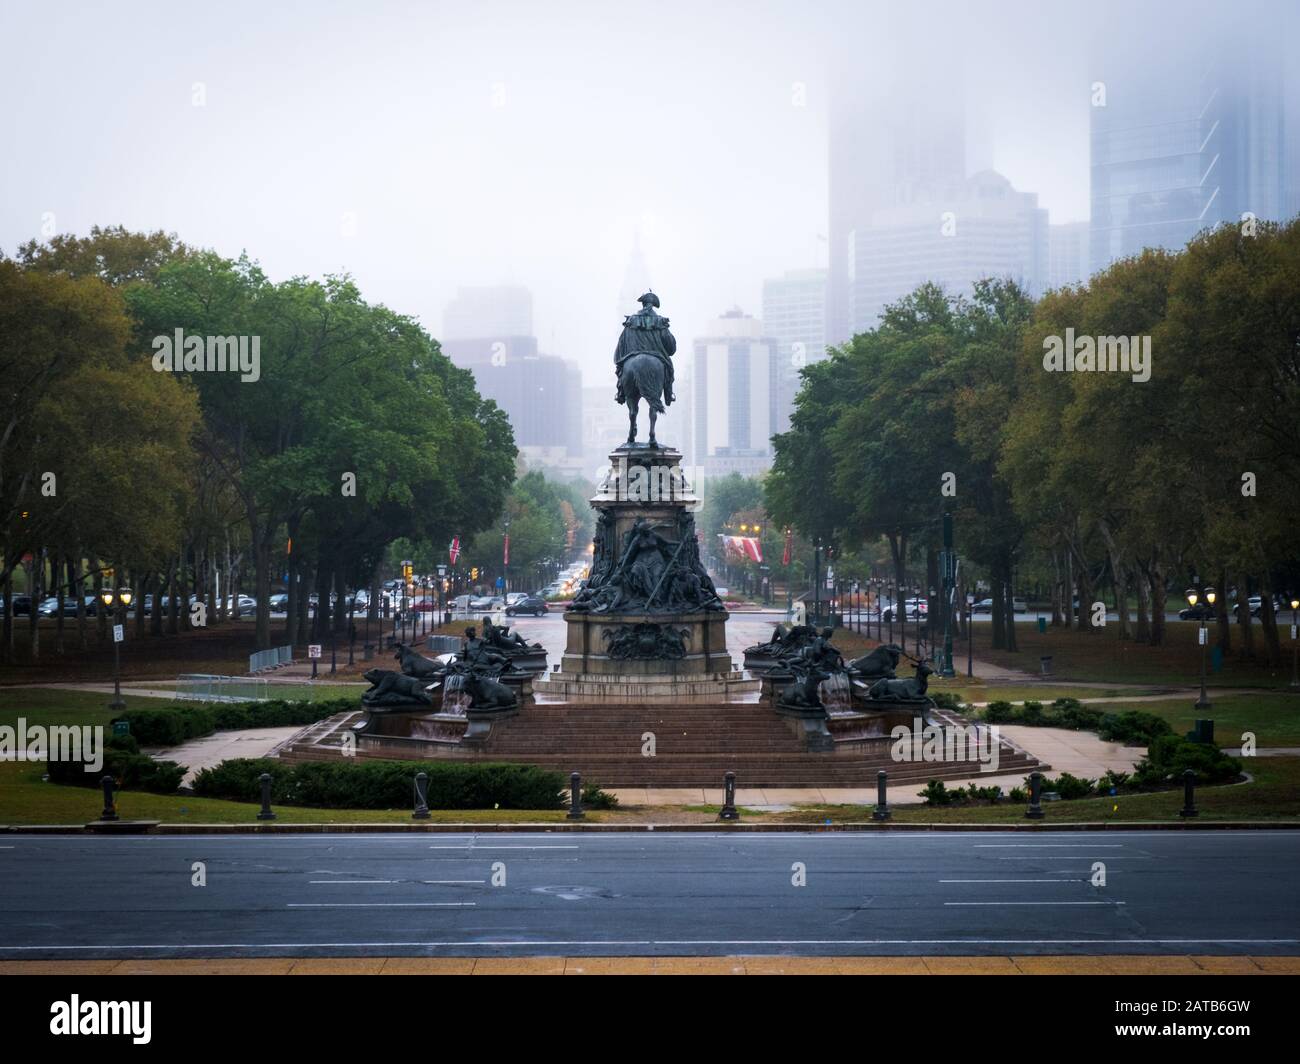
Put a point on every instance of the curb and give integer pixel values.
(864, 827)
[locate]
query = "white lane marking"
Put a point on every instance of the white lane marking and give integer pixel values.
(379, 904)
(1065, 857)
(1013, 881)
(472, 847)
(1034, 903)
(449, 881)
(1047, 845)
(692, 942)
(351, 881)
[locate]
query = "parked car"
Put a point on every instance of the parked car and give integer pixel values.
(531, 604)
(515, 596)
(50, 607)
(278, 602)
(22, 605)
(1201, 611)
(1257, 605)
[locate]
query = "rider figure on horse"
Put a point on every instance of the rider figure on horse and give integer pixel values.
(646, 332)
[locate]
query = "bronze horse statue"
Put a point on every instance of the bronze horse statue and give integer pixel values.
(643, 360)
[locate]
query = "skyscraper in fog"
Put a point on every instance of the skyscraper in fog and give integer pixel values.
(733, 392)
(794, 315)
(1194, 133)
(890, 131)
(488, 331)
(1068, 255)
(950, 233)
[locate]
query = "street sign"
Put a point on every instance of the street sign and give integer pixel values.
(121, 727)
(1200, 637)
(313, 650)
(119, 633)
(442, 570)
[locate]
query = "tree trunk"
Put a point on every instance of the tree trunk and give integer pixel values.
(262, 568)
(59, 565)
(1221, 615)
(1244, 620)
(1268, 624)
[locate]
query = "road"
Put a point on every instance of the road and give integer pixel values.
(1173, 892)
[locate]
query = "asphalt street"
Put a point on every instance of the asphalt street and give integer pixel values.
(660, 893)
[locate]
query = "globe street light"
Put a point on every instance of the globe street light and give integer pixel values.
(116, 601)
(1295, 647)
(1192, 598)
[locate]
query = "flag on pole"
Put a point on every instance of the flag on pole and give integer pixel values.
(745, 546)
(789, 546)
(453, 550)
(505, 558)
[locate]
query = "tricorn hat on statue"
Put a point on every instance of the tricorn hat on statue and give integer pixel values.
(649, 299)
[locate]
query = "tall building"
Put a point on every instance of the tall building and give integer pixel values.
(794, 315)
(733, 394)
(1068, 255)
(496, 311)
(488, 331)
(890, 130)
(1192, 133)
(951, 233)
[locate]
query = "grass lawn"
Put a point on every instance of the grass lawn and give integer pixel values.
(969, 691)
(1101, 656)
(26, 799)
(1274, 795)
(1274, 718)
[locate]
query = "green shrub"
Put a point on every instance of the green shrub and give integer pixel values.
(946, 700)
(594, 798)
(122, 742)
(1070, 713)
(1169, 756)
(1032, 713)
(1132, 727)
(178, 723)
(385, 784)
(133, 772)
(1018, 794)
(1117, 780)
(999, 712)
(1070, 787)
(935, 793)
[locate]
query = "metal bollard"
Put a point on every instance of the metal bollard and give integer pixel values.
(575, 797)
(266, 813)
(421, 796)
(729, 811)
(110, 809)
(1189, 795)
(1035, 810)
(882, 810)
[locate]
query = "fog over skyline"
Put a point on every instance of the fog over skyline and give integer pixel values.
(425, 147)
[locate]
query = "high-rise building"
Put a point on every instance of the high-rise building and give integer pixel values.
(488, 331)
(496, 311)
(733, 395)
(794, 314)
(1191, 134)
(1068, 255)
(890, 131)
(951, 233)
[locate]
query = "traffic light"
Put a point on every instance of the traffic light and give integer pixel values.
(473, 573)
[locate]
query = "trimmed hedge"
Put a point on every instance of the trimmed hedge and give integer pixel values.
(1169, 756)
(178, 723)
(384, 784)
(133, 772)
(1132, 726)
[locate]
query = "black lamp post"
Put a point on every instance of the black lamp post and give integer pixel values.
(116, 600)
(1192, 598)
(1295, 646)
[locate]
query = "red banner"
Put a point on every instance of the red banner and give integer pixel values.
(505, 559)
(453, 550)
(745, 546)
(789, 546)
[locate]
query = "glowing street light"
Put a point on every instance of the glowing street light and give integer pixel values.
(1192, 598)
(116, 601)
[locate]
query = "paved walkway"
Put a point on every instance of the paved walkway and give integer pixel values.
(222, 746)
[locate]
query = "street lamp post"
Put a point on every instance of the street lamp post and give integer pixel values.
(116, 600)
(1192, 598)
(1295, 646)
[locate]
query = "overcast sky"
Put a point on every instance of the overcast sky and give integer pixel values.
(423, 146)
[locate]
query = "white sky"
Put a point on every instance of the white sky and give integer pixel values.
(673, 117)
